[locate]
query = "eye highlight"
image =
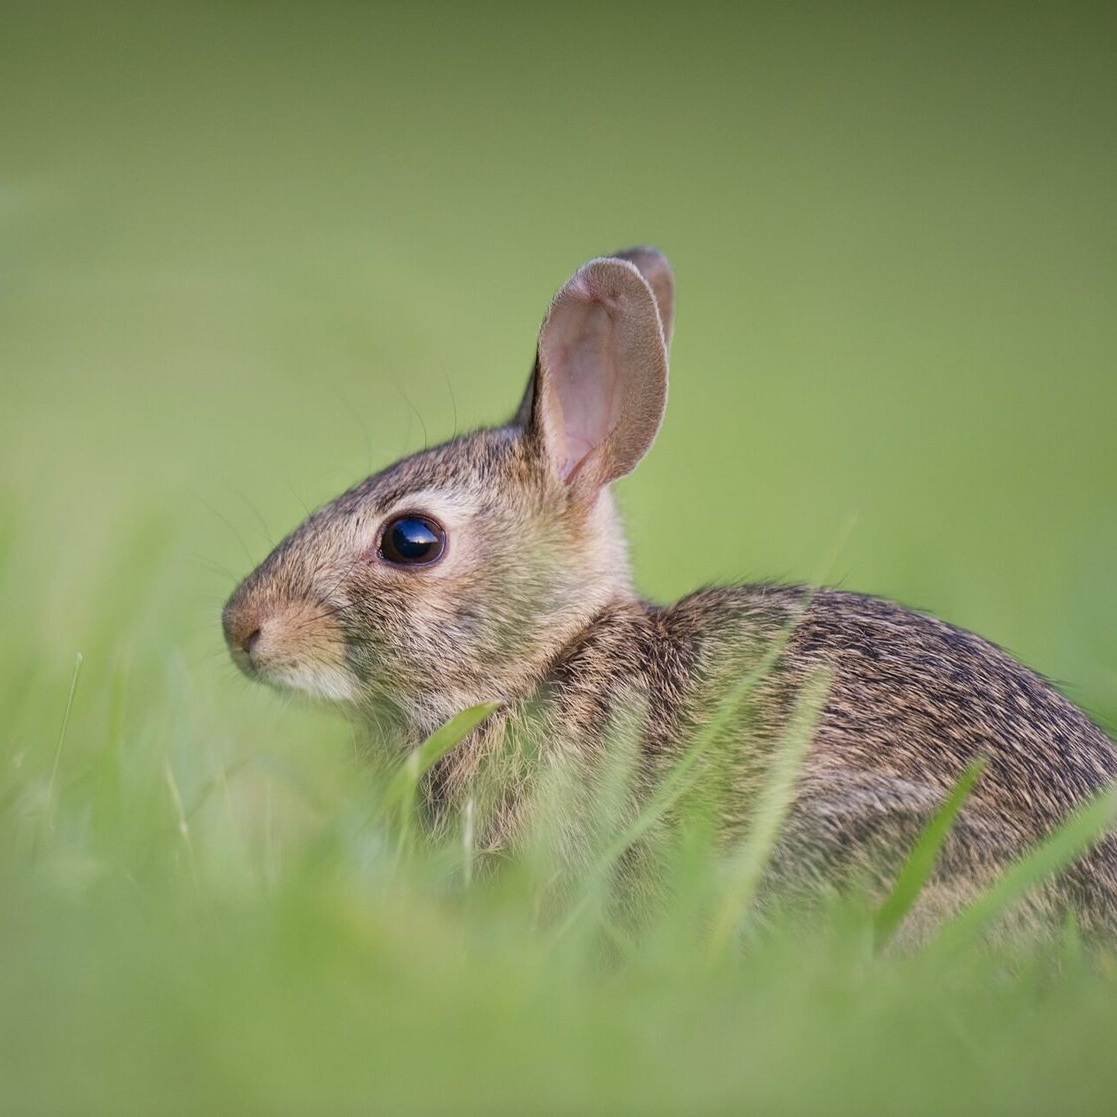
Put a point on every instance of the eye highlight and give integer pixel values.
(412, 540)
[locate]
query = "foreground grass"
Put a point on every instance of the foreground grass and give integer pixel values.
(194, 919)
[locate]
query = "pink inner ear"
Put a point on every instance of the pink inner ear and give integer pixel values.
(587, 385)
(602, 373)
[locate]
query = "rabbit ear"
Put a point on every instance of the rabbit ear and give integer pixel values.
(599, 389)
(655, 269)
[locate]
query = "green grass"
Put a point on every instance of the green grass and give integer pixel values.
(247, 257)
(269, 936)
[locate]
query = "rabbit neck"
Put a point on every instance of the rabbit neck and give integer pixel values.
(604, 679)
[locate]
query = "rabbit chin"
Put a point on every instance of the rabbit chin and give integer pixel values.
(320, 680)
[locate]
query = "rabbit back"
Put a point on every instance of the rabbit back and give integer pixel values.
(910, 701)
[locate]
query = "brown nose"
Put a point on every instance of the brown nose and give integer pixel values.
(242, 627)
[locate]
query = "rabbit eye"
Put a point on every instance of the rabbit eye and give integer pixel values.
(412, 541)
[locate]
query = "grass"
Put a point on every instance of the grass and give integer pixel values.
(248, 258)
(159, 956)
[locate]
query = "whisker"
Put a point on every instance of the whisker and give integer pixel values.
(357, 416)
(206, 563)
(453, 399)
(257, 515)
(294, 492)
(228, 523)
(415, 411)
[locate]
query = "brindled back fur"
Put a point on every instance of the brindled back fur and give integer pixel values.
(516, 589)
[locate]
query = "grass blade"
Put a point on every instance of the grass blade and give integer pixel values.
(403, 787)
(681, 777)
(917, 868)
(1045, 860)
(773, 805)
(434, 748)
(79, 659)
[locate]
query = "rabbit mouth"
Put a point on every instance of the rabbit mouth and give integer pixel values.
(292, 646)
(325, 681)
(331, 681)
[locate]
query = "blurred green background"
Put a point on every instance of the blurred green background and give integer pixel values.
(236, 236)
(251, 252)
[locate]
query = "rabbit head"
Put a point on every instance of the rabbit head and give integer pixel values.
(458, 574)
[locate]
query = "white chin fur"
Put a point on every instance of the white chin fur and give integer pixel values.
(335, 684)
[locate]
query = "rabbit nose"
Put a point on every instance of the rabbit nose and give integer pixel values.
(242, 629)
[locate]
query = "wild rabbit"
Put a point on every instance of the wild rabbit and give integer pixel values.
(493, 568)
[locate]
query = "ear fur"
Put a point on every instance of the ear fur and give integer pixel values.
(599, 389)
(657, 273)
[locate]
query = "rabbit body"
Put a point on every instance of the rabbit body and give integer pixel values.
(493, 568)
(911, 701)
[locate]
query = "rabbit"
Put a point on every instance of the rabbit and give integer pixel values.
(493, 568)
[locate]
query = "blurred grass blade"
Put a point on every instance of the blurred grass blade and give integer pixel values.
(1055, 852)
(78, 660)
(917, 869)
(434, 748)
(182, 823)
(684, 774)
(468, 851)
(773, 805)
(7, 538)
(402, 790)
(681, 777)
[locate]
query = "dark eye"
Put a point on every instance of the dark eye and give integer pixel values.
(412, 541)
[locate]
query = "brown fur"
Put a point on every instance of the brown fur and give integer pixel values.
(532, 606)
